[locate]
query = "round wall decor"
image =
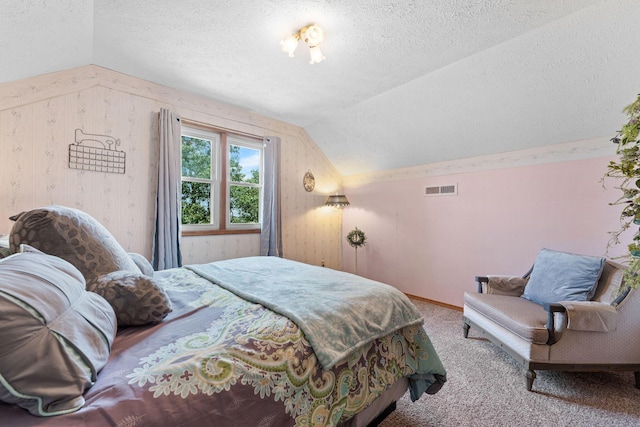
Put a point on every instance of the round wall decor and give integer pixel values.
(309, 181)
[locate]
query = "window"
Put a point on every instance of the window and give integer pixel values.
(221, 182)
(200, 178)
(244, 182)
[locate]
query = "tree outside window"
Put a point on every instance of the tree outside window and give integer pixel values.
(244, 186)
(197, 184)
(213, 200)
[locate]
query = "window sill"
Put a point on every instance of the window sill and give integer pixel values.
(218, 232)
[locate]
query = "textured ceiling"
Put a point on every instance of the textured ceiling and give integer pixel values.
(404, 83)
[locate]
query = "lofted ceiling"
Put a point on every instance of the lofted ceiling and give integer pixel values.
(404, 83)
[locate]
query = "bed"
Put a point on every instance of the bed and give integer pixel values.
(250, 341)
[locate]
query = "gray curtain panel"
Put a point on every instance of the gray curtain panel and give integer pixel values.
(271, 233)
(166, 239)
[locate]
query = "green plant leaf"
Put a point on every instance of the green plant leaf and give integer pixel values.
(627, 168)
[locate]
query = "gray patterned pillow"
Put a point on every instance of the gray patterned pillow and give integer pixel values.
(73, 236)
(137, 299)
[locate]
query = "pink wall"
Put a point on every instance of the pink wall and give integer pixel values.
(434, 246)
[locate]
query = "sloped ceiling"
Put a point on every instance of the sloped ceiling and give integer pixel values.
(404, 83)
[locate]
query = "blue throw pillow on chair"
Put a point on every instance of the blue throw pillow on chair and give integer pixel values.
(560, 276)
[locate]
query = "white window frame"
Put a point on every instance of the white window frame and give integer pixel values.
(214, 181)
(254, 145)
(220, 180)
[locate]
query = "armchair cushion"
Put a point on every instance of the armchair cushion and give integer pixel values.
(518, 315)
(560, 276)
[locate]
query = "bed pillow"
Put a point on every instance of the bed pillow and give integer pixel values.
(143, 264)
(560, 276)
(54, 335)
(136, 299)
(74, 236)
(4, 246)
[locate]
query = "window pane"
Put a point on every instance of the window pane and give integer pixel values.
(196, 157)
(244, 204)
(196, 203)
(244, 164)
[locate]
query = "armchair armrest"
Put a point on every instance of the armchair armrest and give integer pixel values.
(551, 309)
(590, 316)
(480, 280)
(502, 285)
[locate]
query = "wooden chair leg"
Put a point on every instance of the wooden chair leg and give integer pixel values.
(531, 375)
(465, 332)
(637, 375)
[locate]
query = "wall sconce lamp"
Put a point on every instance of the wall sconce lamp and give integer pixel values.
(312, 36)
(338, 200)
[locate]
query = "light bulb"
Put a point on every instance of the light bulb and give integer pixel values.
(316, 55)
(289, 44)
(313, 35)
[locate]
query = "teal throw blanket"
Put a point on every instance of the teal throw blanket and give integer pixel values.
(337, 311)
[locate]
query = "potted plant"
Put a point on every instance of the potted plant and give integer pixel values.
(627, 168)
(356, 238)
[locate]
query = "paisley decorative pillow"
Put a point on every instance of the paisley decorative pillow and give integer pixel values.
(74, 236)
(137, 299)
(108, 269)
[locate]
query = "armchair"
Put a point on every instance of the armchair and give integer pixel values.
(595, 331)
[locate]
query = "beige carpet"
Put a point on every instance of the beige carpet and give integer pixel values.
(486, 387)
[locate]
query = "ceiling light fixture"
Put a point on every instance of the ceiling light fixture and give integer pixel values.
(312, 36)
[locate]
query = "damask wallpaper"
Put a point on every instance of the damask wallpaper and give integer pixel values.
(38, 119)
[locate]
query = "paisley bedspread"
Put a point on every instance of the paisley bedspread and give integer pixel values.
(218, 359)
(338, 312)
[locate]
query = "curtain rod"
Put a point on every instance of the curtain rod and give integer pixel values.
(220, 128)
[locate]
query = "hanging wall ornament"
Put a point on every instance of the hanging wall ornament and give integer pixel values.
(356, 239)
(96, 152)
(309, 181)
